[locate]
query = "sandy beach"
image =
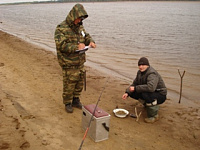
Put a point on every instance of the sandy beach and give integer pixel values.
(32, 115)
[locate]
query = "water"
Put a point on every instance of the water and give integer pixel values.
(168, 33)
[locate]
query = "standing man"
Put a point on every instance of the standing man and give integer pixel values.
(70, 36)
(149, 88)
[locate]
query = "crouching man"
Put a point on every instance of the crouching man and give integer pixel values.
(149, 88)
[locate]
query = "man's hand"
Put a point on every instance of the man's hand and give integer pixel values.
(132, 88)
(81, 46)
(93, 45)
(124, 96)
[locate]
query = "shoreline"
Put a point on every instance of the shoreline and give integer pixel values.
(119, 51)
(31, 108)
(172, 94)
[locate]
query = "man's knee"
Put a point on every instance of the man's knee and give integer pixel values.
(153, 103)
(142, 101)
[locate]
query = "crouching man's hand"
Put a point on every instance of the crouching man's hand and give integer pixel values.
(124, 96)
(132, 88)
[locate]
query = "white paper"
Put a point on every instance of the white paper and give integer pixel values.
(83, 50)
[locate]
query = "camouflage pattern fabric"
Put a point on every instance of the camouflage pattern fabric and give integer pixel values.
(67, 37)
(72, 83)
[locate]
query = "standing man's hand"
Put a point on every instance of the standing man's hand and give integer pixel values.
(81, 46)
(92, 44)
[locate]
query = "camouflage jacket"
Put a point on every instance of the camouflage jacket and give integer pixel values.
(68, 36)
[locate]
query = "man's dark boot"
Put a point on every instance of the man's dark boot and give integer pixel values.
(68, 108)
(76, 103)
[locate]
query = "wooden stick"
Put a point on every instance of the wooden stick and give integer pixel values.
(138, 116)
(181, 76)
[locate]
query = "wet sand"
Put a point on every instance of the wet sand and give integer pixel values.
(32, 115)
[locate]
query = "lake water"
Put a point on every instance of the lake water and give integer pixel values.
(167, 33)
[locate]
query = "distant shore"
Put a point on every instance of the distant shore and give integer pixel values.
(89, 1)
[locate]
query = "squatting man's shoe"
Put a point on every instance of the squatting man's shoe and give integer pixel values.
(68, 108)
(152, 119)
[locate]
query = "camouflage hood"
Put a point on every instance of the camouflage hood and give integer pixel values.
(77, 11)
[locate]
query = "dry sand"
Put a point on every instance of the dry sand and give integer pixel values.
(32, 116)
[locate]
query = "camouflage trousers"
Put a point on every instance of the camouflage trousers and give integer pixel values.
(73, 80)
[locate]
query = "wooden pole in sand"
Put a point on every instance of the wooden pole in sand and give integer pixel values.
(181, 76)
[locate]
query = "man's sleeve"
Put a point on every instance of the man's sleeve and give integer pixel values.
(88, 38)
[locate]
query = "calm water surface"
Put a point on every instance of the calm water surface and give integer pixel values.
(168, 33)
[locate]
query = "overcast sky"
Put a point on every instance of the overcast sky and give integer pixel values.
(14, 1)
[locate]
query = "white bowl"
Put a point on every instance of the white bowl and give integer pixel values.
(115, 111)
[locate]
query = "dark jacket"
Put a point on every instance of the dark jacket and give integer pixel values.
(149, 81)
(68, 36)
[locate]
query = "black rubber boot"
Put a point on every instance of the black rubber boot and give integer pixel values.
(76, 103)
(68, 108)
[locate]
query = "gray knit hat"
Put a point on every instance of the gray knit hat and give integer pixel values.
(143, 61)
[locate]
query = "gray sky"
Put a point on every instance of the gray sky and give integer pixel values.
(14, 1)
